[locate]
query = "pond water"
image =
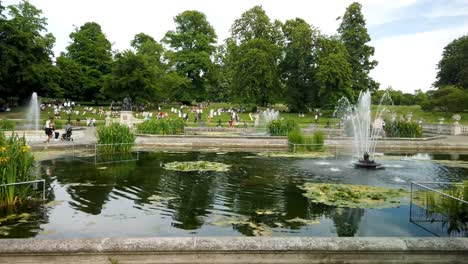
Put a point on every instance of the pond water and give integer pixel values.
(258, 195)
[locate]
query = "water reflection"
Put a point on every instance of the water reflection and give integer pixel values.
(258, 196)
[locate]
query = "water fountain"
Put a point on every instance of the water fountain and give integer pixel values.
(365, 129)
(33, 115)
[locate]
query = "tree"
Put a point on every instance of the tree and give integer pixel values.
(450, 99)
(192, 45)
(90, 57)
(25, 52)
(133, 75)
(353, 33)
(333, 76)
(297, 66)
(254, 54)
(453, 67)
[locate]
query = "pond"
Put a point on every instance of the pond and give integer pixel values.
(255, 195)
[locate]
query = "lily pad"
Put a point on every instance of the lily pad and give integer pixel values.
(265, 212)
(4, 230)
(312, 155)
(196, 166)
(353, 196)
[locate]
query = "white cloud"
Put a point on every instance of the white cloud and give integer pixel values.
(409, 62)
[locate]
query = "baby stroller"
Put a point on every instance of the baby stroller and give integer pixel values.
(68, 133)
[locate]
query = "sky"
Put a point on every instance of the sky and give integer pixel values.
(408, 35)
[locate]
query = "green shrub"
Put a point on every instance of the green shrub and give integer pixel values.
(16, 162)
(115, 138)
(318, 140)
(162, 127)
(6, 124)
(282, 127)
(403, 129)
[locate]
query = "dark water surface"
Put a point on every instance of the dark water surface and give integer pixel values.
(257, 196)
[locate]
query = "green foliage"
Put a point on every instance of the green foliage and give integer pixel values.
(453, 67)
(87, 60)
(282, 127)
(193, 44)
(253, 56)
(334, 72)
(403, 129)
(162, 126)
(196, 166)
(300, 143)
(448, 99)
(353, 33)
(6, 124)
(297, 66)
(16, 162)
(115, 138)
(25, 52)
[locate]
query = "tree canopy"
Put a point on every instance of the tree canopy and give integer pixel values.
(353, 33)
(453, 67)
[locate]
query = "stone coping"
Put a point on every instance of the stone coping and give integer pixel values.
(235, 244)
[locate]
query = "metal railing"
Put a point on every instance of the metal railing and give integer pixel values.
(28, 182)
(438, 207)
(105, 153)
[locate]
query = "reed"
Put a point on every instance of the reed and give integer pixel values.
(115, 138)
(162, 127)
(16, 163)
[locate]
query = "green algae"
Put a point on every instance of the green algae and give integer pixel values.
(353, 196)
(197, 166)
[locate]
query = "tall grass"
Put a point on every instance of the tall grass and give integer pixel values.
(301, 143)
(6, 124)
(16, 162)
(162, 127)
(115, 138)
(280, 127)
(403, 129)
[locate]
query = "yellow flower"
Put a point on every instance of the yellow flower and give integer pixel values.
(26, 148)
(3, 149)
(4, 159)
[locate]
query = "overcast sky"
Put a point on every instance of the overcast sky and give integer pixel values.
(408, 35)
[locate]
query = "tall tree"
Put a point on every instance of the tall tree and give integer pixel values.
(298, 65)
(453, 67)
(90, 57)
(254, 55)
(141, 74)
(333, 76)
(25, 52)
(353, 33)
(192, 44)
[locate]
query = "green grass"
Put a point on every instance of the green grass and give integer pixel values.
(307, 120)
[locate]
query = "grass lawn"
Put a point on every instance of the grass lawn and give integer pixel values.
(307, 120)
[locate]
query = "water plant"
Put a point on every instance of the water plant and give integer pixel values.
(280, 127)
(196, 166)
(162, 127)
(402, 129)
(6, 124)
(16, 162)
(115, 138)
(353, 196)
(301, 143)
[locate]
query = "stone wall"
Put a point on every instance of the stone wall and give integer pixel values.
(237, 250)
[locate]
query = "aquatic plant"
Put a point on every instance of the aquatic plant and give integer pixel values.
(301, 143)
(16, 162)
(280, 127)
(6, 124)
(353, 196)
(402, 129)
(115, 138)
(162, 127)
(196, 166)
